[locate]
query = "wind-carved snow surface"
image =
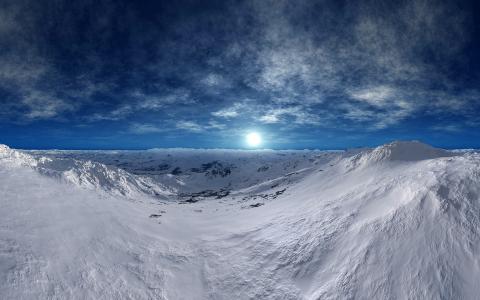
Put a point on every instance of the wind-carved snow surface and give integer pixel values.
(401, 221)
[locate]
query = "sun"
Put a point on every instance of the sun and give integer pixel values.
(253, 139)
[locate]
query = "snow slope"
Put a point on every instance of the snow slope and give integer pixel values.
(400, 221)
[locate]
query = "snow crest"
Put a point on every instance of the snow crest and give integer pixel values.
(88, 174)
(16, 157)
(399, 151)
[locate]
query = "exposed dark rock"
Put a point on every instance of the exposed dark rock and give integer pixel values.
(163, 167)
(216, 168)
(194, 197)
(263, 169)
(176, 171)
(191, 200)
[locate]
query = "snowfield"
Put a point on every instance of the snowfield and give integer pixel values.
(401, 221)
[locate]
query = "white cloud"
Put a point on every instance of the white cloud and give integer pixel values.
(189, 126)
(377, 96)
(230, 112)
(141, 102)
(145, 128)
(44, 106)
(269, 118)
(139, 128)
(117, 114)
(386, 112)
(198, 127)
(155, 102)
(300, 114)
(215, 80)
(216, 125)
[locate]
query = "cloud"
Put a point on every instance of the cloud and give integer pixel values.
(232, 111)
(44, 106)
(138, 128)
(197, 127)
(139, 102)
(270, 118)
(118, 113)
(374, 56)
(299, 114)
(380, 106)
(451, 128)
(216, 125)
(215, 80)
(156, 102)
(189, 126)
(376, 96)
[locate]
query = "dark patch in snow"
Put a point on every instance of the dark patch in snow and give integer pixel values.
(176, 171)
(263, 169)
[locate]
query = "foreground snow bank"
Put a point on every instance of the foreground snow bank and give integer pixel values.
(59, 241)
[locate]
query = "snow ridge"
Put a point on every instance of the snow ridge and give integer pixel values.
(399, 151)
(407, 151)
(89, 174)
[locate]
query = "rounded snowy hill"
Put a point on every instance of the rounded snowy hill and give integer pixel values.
(401, 221)
(400, 152)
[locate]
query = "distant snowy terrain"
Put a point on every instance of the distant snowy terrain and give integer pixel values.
(401, 221)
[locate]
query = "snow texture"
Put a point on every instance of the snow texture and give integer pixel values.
(401, 221)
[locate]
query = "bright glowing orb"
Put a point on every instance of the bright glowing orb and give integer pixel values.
(253, 139)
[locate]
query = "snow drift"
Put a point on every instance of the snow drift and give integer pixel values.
(399, 221)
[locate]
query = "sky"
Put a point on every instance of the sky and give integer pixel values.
(324, 74)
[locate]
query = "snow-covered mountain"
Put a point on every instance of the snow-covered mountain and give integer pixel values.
(89, 174)
(196, 170)
(401, 221)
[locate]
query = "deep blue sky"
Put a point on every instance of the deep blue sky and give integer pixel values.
(306, 74)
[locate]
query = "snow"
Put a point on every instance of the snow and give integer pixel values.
(403, 151)
(398, 221)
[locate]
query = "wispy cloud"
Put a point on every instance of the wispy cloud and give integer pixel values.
(139, 102)
(299, 114)
(138, 128)
(189, 126)
(376, 96)
(232, 111)
(44, 106)
(447, 128)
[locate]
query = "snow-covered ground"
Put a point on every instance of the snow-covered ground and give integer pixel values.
(401, 221)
